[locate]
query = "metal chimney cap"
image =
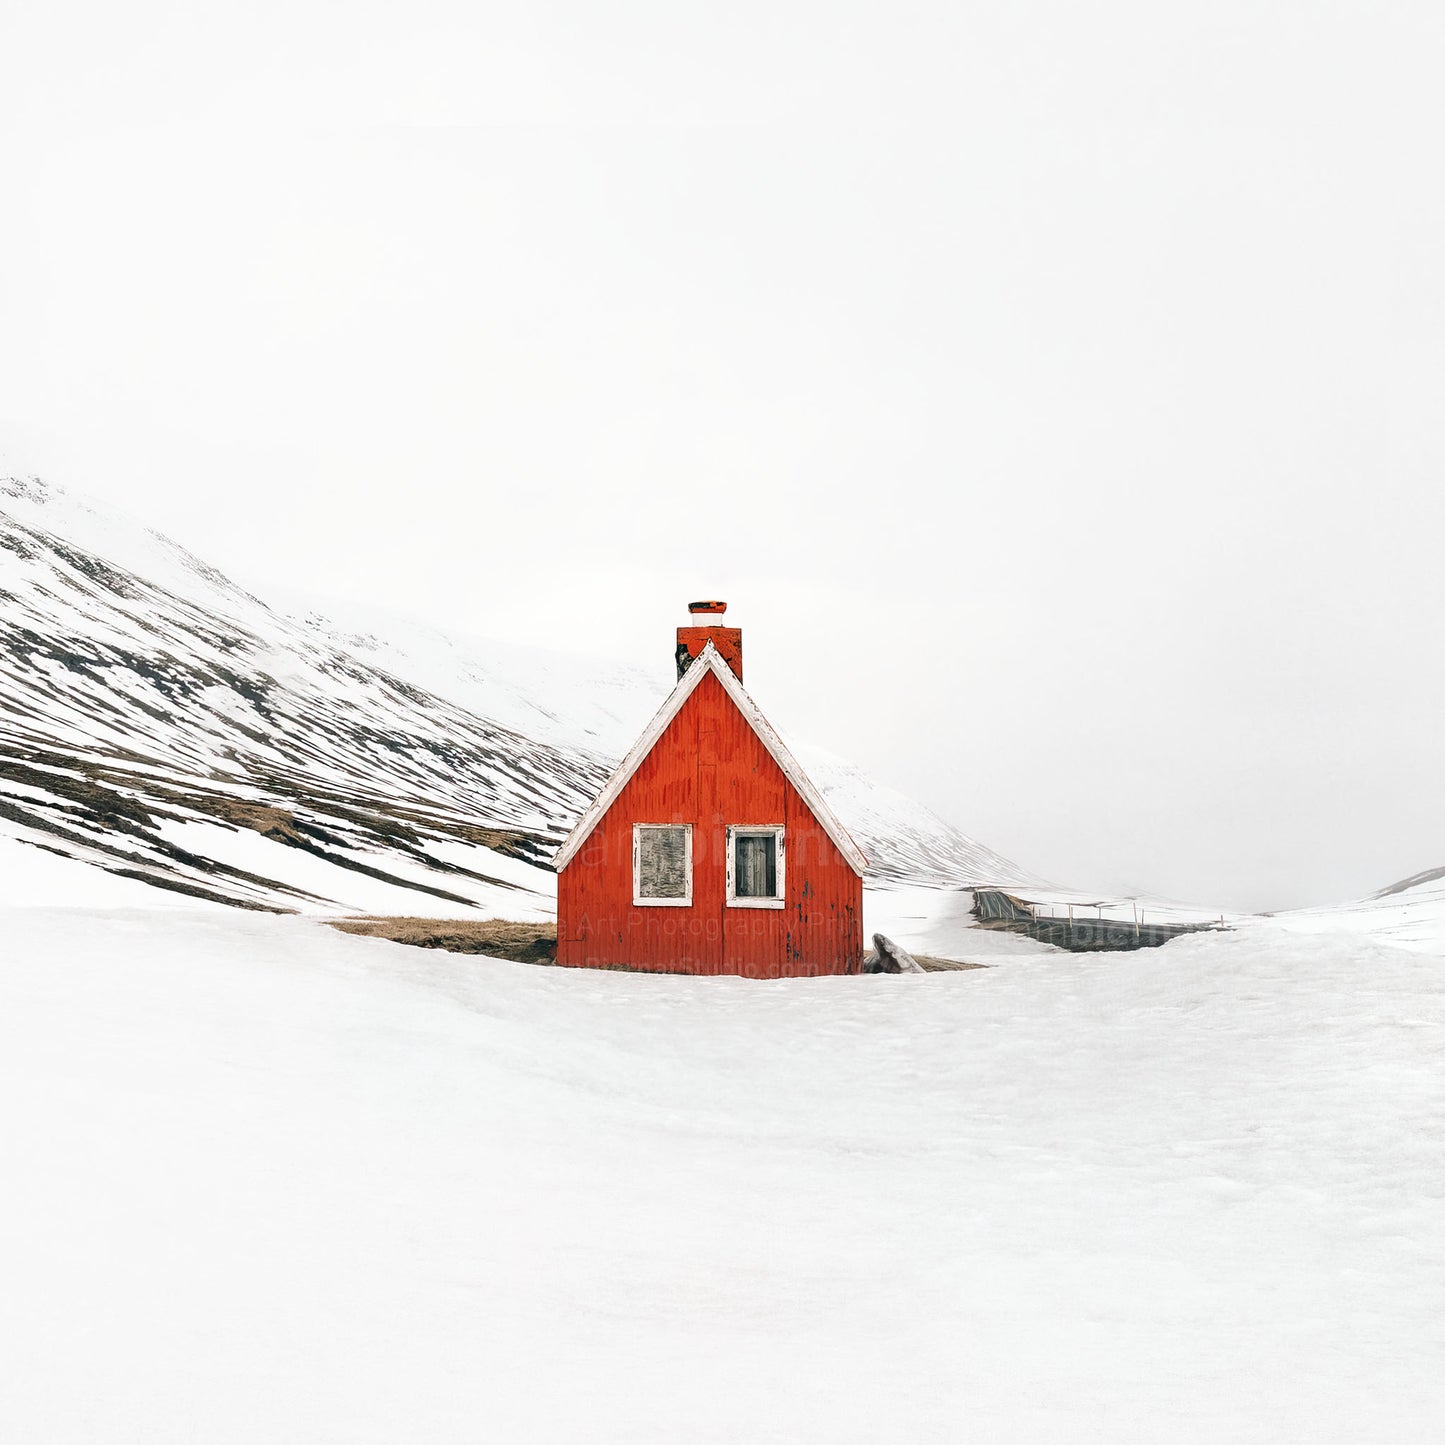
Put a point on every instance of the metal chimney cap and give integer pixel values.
(714, 609)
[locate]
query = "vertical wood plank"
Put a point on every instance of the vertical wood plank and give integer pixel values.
(710, 769)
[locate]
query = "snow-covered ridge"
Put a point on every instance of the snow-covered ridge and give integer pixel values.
(1410, 913)
(174, 731)
(163, 724)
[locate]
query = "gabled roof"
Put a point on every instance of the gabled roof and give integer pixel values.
(708, 661)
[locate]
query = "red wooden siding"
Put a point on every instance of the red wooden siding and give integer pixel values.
(710, 769)
(728, 642)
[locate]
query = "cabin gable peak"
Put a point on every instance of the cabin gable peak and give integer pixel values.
(710, 662)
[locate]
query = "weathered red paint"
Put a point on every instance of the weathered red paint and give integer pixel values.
(727, 640)
(710, 769)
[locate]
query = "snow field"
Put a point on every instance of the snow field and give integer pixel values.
(270, 1182)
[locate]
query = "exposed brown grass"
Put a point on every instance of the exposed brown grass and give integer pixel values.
(944, 965)
(523, 942)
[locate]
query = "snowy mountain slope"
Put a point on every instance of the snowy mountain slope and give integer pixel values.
(164, 725)
(569, 700)
(276, 1184)
(155, 718)
(1409, 914)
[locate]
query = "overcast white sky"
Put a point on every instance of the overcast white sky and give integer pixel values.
(1055, 390)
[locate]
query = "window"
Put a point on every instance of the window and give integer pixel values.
(755, 868)
(662, 864)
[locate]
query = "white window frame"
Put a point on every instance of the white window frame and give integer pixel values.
(741, 830)
(638, 900)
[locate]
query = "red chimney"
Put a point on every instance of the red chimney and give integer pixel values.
(705, 629)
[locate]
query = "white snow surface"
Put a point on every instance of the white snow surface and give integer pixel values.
(267, 1182)
(1410, 913)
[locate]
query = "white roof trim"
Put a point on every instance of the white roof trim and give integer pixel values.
(708, 660)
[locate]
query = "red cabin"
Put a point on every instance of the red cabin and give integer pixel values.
(709, 851)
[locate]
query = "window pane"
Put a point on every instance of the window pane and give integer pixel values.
(755, 868)
(662, 862)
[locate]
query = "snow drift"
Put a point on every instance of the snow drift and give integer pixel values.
(265, 1182)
